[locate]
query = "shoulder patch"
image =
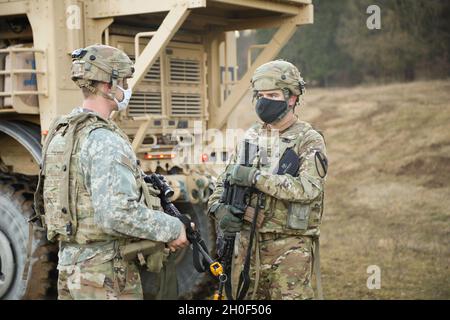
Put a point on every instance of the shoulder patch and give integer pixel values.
(321, 163)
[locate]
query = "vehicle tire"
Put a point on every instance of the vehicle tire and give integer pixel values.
(16, 199)
(192, 284)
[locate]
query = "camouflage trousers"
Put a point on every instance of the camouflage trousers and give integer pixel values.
(115, 279)
(285, 267)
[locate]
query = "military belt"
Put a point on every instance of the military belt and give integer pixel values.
(96, 244)
(270, 236)
(250, 212)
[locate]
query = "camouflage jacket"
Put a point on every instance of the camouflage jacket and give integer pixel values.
(113, 208)
(288, 199)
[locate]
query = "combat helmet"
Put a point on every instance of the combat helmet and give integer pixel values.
(278, 74)
(100, 63)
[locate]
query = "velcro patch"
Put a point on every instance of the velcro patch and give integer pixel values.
(78, 69)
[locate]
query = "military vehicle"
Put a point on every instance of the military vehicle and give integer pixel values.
(185, 83)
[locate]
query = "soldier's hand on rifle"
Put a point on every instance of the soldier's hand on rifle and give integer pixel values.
(228, 223)
(243, 176)
(180, 242)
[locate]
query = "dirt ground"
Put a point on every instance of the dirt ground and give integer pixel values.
(388, 188)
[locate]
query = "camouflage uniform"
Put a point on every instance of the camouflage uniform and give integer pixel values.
(292, 212)
(95, 203)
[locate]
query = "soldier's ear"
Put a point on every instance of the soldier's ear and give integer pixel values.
(292, 100)
(105, 87)
(100, 86)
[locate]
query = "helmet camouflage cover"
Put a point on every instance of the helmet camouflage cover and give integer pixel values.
(100, 63)
(278, 74)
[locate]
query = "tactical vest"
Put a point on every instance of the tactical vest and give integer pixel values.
(61, 193)
(286, 217)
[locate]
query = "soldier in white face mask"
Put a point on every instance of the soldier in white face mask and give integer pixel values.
(91, 195)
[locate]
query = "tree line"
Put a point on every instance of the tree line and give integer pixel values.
(340, 50)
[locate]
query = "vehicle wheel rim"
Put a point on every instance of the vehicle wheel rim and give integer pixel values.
(6, 264)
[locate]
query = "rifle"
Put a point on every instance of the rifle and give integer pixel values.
(238, 198)
(194, 237)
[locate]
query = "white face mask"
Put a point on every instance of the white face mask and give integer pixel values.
(122, 105)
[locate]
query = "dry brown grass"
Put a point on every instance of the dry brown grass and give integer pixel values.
(388, 188)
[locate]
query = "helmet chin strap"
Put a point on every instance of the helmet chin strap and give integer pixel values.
(112, 94)
(88, 85)
(281, 117)
(113, 85)
(287, 97)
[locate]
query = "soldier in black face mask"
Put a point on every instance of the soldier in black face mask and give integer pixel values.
(283, 228)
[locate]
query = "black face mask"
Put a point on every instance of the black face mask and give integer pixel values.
(269, 110)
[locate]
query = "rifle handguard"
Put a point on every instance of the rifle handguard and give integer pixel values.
(130, 251)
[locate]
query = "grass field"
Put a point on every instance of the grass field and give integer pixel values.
(388, 188)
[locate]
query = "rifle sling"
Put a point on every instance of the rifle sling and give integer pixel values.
(228, 254)
(244, 278)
